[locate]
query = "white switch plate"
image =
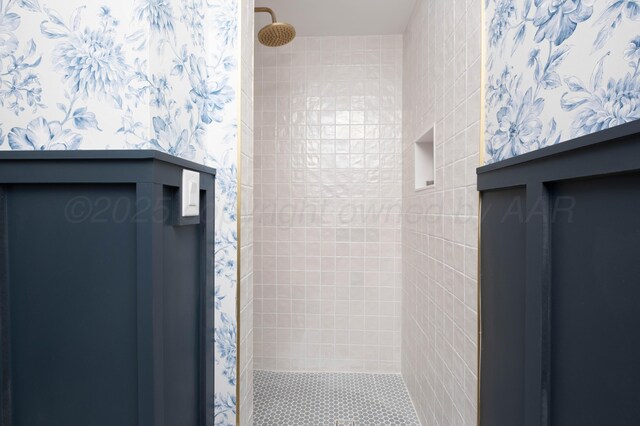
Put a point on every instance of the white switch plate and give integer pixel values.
(190, 193)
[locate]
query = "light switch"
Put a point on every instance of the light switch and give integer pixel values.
(190, 193)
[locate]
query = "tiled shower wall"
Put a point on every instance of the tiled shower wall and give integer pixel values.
(245, 240)
(439, 225)
(328, 204)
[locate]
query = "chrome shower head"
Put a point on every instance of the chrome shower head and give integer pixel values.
(276, 33)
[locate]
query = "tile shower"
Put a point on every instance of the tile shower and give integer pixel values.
(347, 253)
(294, 398)
(327, 280)
(440, 225)
(328, 204)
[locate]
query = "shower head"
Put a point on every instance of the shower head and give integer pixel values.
(276, 33)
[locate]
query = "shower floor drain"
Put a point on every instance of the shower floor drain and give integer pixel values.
(345, 423)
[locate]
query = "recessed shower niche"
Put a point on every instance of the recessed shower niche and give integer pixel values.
(425, 167)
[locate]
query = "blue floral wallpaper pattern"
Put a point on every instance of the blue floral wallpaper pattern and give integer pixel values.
(145, 74)
(558, 69)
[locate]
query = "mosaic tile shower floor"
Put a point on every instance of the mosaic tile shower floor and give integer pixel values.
(322, 399)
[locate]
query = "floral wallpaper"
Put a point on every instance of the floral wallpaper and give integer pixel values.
(558, 69)
(145, 74)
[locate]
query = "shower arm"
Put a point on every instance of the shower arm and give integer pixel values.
(266, 10)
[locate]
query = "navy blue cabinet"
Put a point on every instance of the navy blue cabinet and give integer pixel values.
(106, 290)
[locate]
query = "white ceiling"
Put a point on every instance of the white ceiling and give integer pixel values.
(339, 17)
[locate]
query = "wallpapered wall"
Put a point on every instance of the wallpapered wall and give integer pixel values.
(146, 74)
(558, 69)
